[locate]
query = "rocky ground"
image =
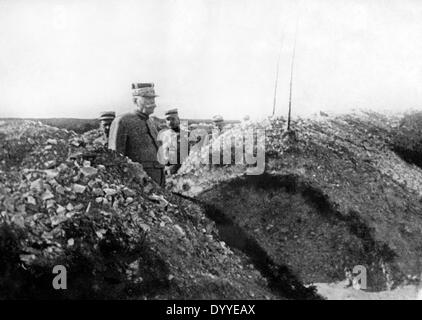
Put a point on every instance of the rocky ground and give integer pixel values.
(334, 195)
(65, 200)
(339, 192)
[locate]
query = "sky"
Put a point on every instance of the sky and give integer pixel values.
(76, 58)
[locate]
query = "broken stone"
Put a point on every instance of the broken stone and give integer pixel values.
(47, 195)
(89, 171)
(91, 183)
(100, 233)
(129, 193)
(148, 188)
(78, 188)
(37, 185)
(50, 203)
(179, 230)
(110, 191)
(50, 164)
(60, 189)
(145, 227)
(160, 199)
(51, 174)
(79, 206)
(70, 214)
(98, 192)
(51, 141)
(27, 258)
(167, 218)
(284, 229)
(60, 209)
(31, 200)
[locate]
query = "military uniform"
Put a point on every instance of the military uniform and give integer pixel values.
(175, 145)
(218, 123)
(135, 136)
(174, 150)
(106, 118)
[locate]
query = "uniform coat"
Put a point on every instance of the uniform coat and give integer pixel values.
(135, 136)
(174, 152)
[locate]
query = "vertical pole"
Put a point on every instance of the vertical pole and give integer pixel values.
(291, 80)
(276, 77)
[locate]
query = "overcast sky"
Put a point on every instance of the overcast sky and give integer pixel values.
(75, 58)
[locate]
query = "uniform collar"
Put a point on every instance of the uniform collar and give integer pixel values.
(142, 115)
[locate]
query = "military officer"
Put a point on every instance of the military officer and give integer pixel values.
(175, 142)
(106, 118)
(134, 134)
(218, 122)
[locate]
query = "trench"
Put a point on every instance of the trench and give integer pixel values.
(293, 235)
(408, 155)
(280, 279)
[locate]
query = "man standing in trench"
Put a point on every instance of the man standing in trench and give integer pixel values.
(135, 136)
(175, 142)
(106, 118)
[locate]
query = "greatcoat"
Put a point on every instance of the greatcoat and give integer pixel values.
(135, 136)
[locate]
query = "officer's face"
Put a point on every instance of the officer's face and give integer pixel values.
(173, 121)
(147, 104)
(219, 125)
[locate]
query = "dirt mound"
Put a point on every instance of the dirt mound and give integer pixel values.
(407, 140)
(297, 227)
(65, 200)
(334, 195)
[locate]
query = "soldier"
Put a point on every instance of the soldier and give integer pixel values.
(218, 122)
(134, 135)
(106, 118)
(173, 120)
(171, 137)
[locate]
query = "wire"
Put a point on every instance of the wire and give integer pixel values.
(291, 78)
(278, 69)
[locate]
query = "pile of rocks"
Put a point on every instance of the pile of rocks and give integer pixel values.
(66, 200)
(348, 160)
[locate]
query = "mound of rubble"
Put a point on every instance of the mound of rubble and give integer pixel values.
(66, 200)
(333, 196)
(407, 140)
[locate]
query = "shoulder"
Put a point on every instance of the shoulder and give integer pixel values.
(129, 119)
(165, 133)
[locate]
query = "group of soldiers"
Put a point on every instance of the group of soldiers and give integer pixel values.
(135, 134)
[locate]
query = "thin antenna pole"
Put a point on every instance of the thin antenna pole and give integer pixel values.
(291, 79)
(276, 76)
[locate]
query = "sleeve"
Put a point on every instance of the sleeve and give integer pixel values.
(118, 136)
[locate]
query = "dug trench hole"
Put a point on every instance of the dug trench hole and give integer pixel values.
(292, 234)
